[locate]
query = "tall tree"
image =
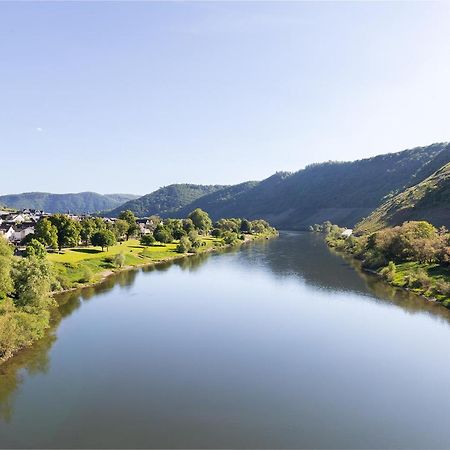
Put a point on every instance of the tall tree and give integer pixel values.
(103, 238)
(68, 230)
(129, 217)
(201, 220)
(47, 233)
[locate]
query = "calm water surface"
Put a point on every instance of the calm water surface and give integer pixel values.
(280, 344)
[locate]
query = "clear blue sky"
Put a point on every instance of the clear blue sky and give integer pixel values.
(131, 96)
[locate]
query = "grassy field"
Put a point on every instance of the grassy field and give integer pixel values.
(85, 265)
(432, 276)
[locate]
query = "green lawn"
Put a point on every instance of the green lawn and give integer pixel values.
(83, 265)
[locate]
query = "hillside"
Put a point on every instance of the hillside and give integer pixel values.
(343, 192)
(80, 203)
(428, 200)
(165, 201)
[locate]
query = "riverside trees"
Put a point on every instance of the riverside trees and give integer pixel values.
(25, 300)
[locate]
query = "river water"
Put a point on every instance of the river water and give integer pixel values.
(278, 344)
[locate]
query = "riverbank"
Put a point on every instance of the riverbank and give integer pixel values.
(84, 267)
(391, 254)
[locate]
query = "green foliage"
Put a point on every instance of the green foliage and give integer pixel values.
(413, 255)
(166, 201)
(426, 200)
(103, 238)
(201, 220)
(88, 228)
(147, 239)
(389, 271)
(230, 238)
(6, 283)
(184, 245)
(47, 233)
(121, 228)
(86, 275)
(32, 278)
(162, 234)
(129, 217)
(68, 230)
(35, 249)
(246, 226)
(119, 260)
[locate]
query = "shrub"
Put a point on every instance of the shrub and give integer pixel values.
(389, 271)
(184, 245)
(147, 240)
(86, 275)
(119, 260)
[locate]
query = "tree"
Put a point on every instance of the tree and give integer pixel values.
(88, 228)
(188, 225)
(32, 279)
(68, 230)
(230, 238)
(175, 228)
(184, 245)
(129, 217)
(47, 233)
(121, 228)
(35, 249)
(6, 254)
(201, 220)
(195, 240)
(161, 234)
(246, 226)
(103, 238)
(260, 226)
(147, 239)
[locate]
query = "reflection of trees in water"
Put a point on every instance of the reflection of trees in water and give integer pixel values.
(307, 257)
(34, 360)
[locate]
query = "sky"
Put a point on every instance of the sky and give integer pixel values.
(131, 96)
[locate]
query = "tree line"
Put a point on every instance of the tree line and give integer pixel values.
(59, 231)
(415, 254)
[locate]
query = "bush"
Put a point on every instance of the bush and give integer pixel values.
(184, 245)
(147, 240)
(119, 260)
(388, 272)
(86, 275)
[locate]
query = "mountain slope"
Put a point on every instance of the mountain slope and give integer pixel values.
(165, 201)
(343, 192)
(79, 203)
(428, 200)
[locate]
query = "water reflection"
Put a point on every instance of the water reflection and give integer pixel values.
(303, 257)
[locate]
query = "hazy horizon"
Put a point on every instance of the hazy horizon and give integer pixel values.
(129, 97)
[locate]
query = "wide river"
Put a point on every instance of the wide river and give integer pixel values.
(279, 344)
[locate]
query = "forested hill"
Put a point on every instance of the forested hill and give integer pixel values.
(166, 201)
(80, 203)
(428, 200)
(343, 192)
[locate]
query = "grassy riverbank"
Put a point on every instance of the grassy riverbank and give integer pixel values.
(82, 266)
(413, 256)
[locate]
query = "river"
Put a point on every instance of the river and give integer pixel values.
(278, 344)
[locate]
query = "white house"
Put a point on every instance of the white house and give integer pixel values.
(347, 232)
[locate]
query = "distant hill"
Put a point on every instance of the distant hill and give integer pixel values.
(80, 203)
(165, 201)
(343, 192)
(428, 200)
